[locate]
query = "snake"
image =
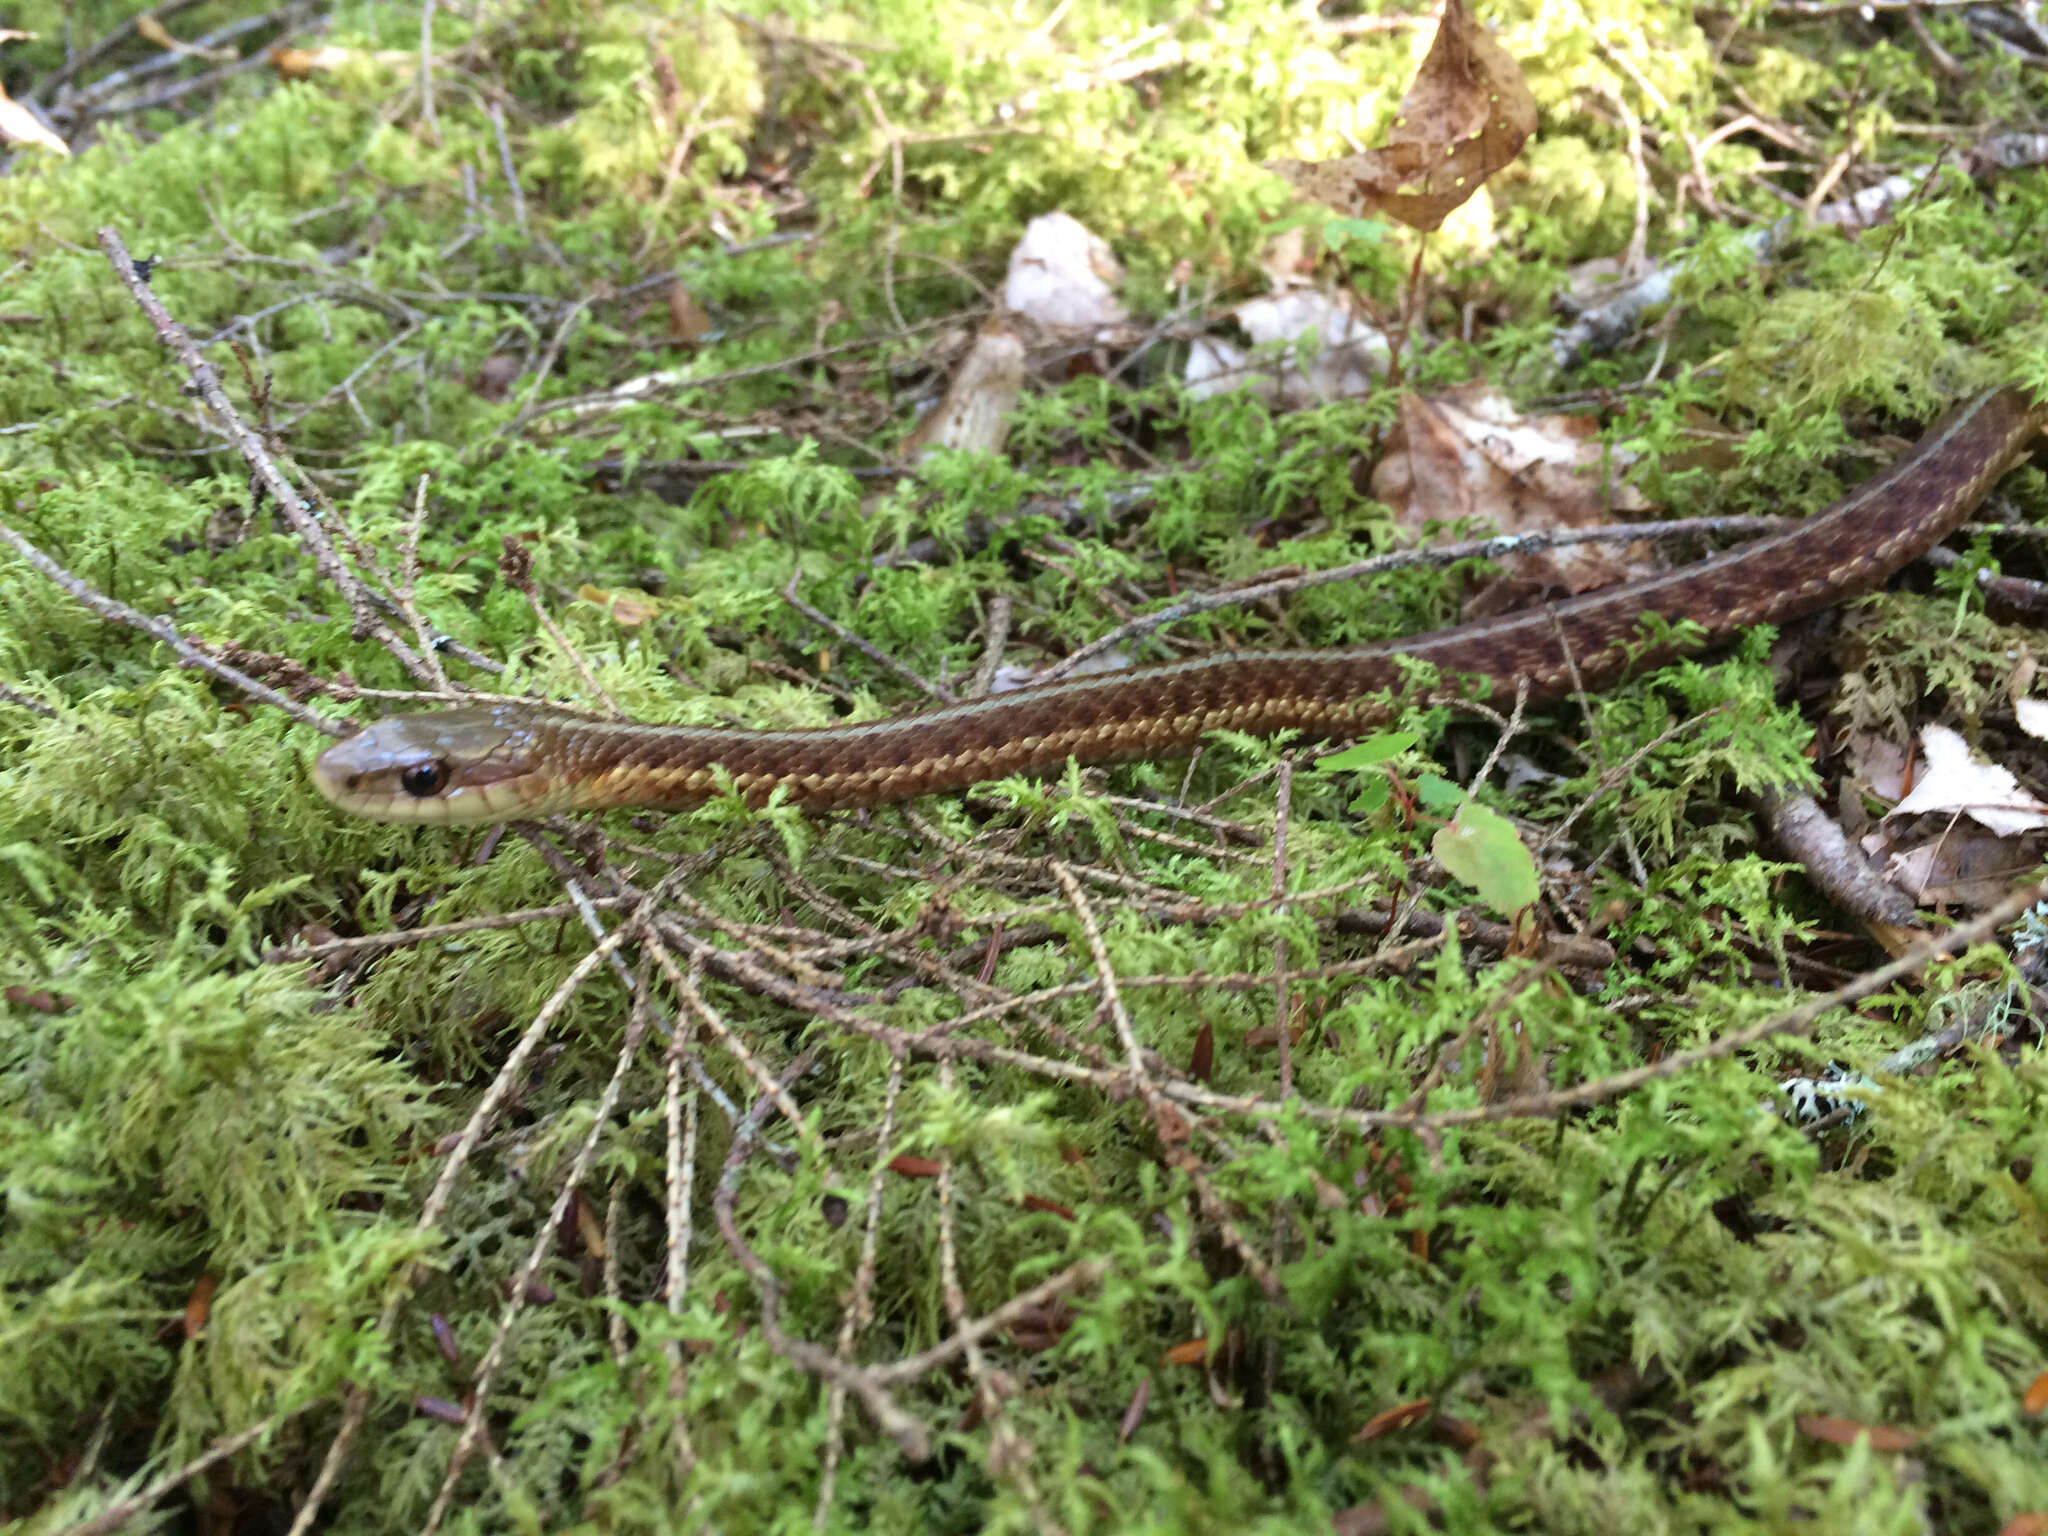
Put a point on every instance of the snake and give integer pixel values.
(510, 761)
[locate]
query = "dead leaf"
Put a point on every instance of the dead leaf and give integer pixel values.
(588, 1228)
(1050, 1207)
(2032, 715)
(1063, 277)
(1878, 765)
(1467, 115)
(1134, 1410)
(1955, 781)
(1264, 1037)
(974, 416)
(1469, 455)
(1203, 1059)
(1350, 355)
(1958, 865)
(912, 1166)
(154, 31)
(1388, 1420)
(199, 1305)
(304, 63)
(41, 1002)
(18, 125)
(2036, 1400)
(1883, 1437)
(2032, 1523)
(629, 610)
(1194, 1352)
(687, 319)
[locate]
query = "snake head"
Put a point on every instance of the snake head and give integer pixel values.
(452, 766)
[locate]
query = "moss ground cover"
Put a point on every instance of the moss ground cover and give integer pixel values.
(352, 1141)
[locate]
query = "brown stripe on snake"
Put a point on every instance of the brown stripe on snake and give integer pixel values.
(500, 762)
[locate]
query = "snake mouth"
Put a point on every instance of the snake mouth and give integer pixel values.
(453, 768)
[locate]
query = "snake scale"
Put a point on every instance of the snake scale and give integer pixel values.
(501, 762)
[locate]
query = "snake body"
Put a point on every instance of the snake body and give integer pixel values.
(503, 761)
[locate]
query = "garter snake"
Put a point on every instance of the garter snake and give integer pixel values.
(504, 761)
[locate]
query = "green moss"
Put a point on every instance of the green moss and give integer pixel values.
(214, 1164)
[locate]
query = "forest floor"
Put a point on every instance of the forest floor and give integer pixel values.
(1267, 1139)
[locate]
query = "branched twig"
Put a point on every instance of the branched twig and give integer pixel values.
(158, 629)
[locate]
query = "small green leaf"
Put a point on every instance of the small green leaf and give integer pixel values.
(1372, 794)
(1338, 232)
(1482, 848)
(1438, 793)
(1368, 753)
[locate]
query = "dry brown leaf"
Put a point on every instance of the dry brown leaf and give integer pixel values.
(199, 1305)
(2036, 1400)
(1883, 1437)
(629, 610)
(1193, 1352)
(687, 319)
(911, 1166)
(1467, 115)
(18, 125)
(1469, 455)
(304, 63)
(2033, 1523)
(154, 31)
(1387, 1420)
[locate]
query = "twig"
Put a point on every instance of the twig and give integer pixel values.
(295, 508)
(120, 613)
(867, 648)
(910, 1436)
(536, 1254)
(121, 1511)
(1168, 1126)
(1797, 1021)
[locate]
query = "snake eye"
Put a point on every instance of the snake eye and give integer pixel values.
(423, 779)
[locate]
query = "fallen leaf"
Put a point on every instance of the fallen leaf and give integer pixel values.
(1063, 276)
(2032, 715)
(1387, 1420)
(1050, 1207)
(588, 1228)
(1883, 1437)
(913, 1167)
(1466, 117)
(1955, 781)
(304, 63)
(1203, 1059)
(41, 1002)
(1134, 1411)
(1194, 1352)
(18, 125)
(1469, 455)
(1263, 1037)
(629, 610)
(1349, 355)
(2036, 1400)
(2032, 1523)
(154, 31)
(199, 1306)
(687, 319)
(1878, 765)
